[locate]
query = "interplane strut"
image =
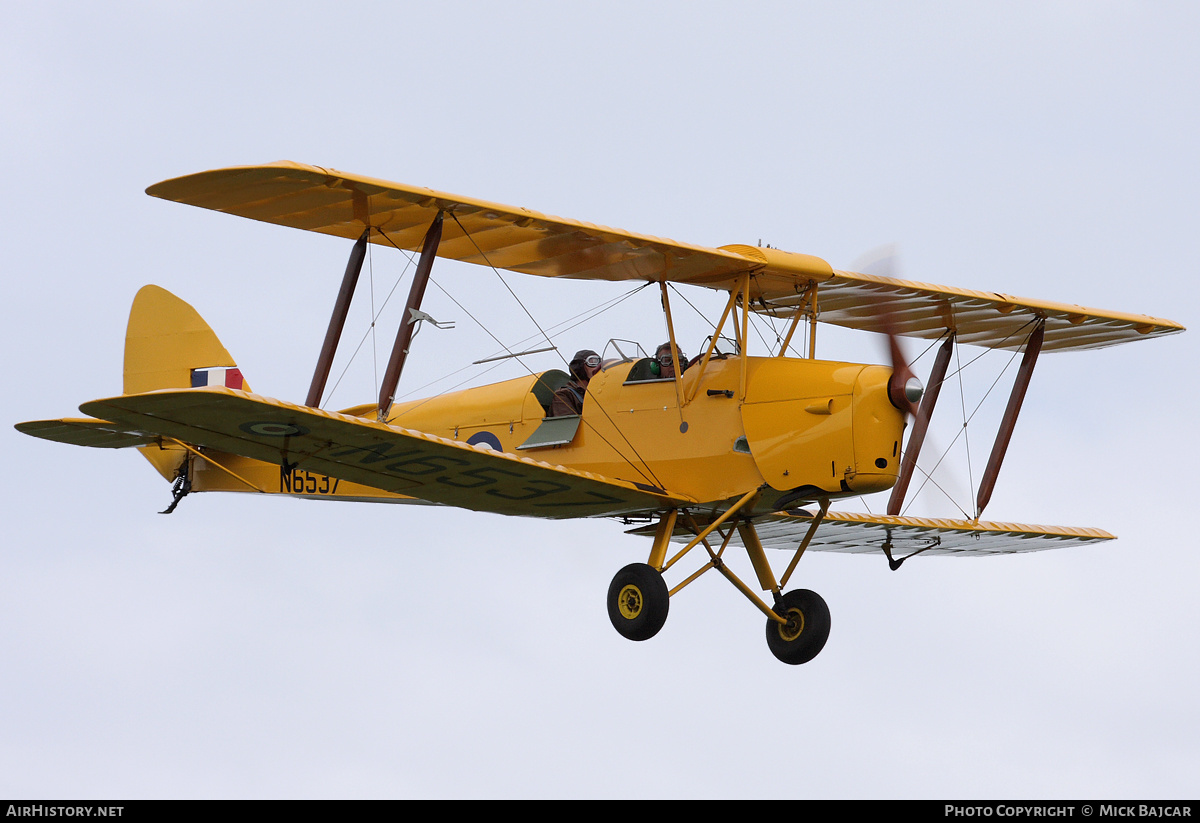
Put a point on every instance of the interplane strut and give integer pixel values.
(387, 391)
(338, 321)
(1009, 421)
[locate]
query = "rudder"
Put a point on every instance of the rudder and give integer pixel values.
(169, 346)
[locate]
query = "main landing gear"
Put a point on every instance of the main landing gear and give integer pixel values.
(803, 636)
(797, 624)
(638, 602)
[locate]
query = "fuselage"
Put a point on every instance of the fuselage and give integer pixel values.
(805, 428)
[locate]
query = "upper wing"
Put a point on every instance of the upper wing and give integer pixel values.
(374, 454)
(990, 319)
(508, 237)
(333, 202)
(864, 533)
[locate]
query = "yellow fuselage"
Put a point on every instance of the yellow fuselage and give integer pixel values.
(807, 429)
(809, 425)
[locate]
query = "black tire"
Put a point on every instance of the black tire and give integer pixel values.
(638, 602)
(807, 628)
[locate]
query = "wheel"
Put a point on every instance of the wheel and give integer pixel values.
(804, 635)
(638, 602)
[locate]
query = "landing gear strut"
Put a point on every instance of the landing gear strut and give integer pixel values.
(797, 625)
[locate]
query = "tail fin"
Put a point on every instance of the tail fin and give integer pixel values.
(167, 343)
(169, 346)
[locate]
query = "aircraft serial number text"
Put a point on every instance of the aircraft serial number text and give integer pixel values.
(299, 481)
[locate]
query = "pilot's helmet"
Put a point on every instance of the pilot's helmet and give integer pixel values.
(583, 357)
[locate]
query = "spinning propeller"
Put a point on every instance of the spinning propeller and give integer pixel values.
(905, 391)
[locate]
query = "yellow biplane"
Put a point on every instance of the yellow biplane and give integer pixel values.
(727, 451)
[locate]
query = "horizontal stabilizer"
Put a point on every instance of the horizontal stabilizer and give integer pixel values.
(380, 456)
(99, 434)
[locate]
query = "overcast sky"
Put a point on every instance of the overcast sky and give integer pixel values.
(248, 647)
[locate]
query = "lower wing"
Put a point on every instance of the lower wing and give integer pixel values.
(377, 455)
(905, 536)
(862, 533)
(99, 434)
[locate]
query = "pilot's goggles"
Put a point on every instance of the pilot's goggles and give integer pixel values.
(592, 361)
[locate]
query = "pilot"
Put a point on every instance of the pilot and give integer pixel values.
(666, 364)
(569, 399)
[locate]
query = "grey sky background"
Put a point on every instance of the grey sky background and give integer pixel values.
(248, 647)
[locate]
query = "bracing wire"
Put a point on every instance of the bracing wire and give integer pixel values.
(963, 431)
(683, 297)
(505, 283)
(929, 480)
(370, 332)
(597, 404)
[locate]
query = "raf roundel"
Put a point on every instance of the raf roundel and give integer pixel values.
(273, 429)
